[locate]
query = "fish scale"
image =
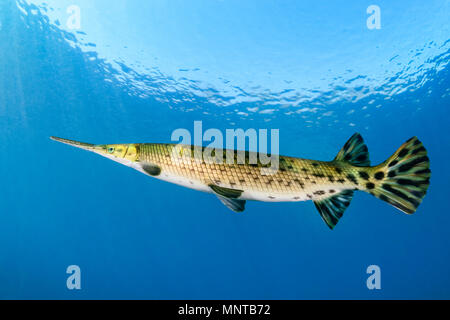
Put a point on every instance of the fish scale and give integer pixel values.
(296, 178)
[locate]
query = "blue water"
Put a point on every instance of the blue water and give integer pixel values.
(137, 70)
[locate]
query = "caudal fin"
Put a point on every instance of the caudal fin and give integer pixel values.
(403, 179)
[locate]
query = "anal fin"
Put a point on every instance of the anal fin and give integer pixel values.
(332, 208)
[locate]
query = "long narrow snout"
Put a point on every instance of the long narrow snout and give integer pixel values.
(77, 144)
(125, 154)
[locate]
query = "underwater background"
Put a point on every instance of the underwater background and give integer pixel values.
(134, 71)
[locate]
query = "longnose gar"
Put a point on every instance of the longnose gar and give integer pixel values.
(402, 180)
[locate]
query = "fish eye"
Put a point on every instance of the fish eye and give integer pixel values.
(110, 149)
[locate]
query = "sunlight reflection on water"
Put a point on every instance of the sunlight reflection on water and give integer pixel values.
(388, 72)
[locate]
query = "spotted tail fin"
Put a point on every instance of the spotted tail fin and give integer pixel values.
(403, 179)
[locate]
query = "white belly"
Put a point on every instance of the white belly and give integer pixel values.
(246, 195)
(273, 197)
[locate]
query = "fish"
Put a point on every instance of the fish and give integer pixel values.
(401, 181)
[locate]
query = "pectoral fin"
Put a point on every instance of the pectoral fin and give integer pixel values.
(229, 197)
(152, 170)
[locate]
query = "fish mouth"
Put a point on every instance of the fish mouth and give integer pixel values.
(77, 144)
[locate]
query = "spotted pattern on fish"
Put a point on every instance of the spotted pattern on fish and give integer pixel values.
(401, 181)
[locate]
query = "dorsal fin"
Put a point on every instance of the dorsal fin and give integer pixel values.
(355, 152)
(331, 209)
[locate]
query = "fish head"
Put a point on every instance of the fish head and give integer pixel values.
(126, 154)
(117, 152)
